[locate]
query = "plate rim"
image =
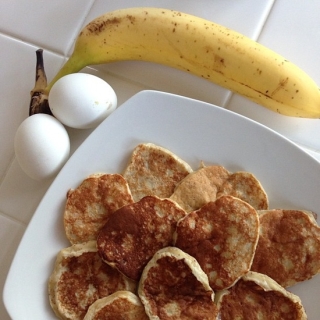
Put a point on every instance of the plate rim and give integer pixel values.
(140, 95)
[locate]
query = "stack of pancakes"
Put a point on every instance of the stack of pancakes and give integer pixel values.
(161, 241)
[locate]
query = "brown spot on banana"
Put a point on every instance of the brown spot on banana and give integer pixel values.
(282, 84)
(96, 27)
(219, 62)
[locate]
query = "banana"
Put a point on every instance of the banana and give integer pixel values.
(200, 47)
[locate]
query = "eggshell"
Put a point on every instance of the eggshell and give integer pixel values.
(81, 100)
(41, 145)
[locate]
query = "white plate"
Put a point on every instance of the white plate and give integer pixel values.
(196, 132)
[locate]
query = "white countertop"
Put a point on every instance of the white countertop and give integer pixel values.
(292, 28)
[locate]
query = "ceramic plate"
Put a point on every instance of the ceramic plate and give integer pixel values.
(196, 132)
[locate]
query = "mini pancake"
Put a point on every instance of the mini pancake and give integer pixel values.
(79, 278)
(121, 305)
(90, 204)
(154, 170)
(289, 246)
(136, 231)
(200, 187)
(210, 182)
(222, 236)
(173, 286)
(245, 186)
(257, 296)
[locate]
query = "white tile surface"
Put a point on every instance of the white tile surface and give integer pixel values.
(19, 194)
(290, 27)
(10, 236)
(51, 24)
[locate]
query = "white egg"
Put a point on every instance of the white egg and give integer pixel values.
(81, 100)
(41, 145)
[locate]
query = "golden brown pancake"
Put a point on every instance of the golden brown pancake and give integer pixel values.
(79, 278)
(136, 231)
(256, 296)
(121, 305)
(245, 186)
(289, 246)
(200, 187)
(154, 170)
(209, 183)
(90, 204)
(173, 286)
(222, 236)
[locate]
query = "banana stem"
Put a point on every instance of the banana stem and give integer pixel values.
(39, 98)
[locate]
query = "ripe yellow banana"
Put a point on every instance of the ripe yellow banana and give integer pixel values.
(200, 47)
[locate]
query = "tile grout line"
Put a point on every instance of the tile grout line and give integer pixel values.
(72, 41)
(34, 44)
(2, 179)
(264, 19)
(61, 53)
(7, 169)
(12, 219)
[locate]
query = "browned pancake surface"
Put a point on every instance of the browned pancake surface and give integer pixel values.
(260, 298)
(121, 305)
(79, 278)
(289, 246)
(200, 187)
(245, 186)
(135, 232)
(90, 204)
(173, 286)
(222, 236)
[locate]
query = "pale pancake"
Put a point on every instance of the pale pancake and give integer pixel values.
(222, 236)
(210, 182)
(256, 296)
(135, 232)
(173, 286)
(200, 187)
(121, 305)
(79, 278)
(245, 186)
(289, 246)
(154, 170)
(90, 204)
